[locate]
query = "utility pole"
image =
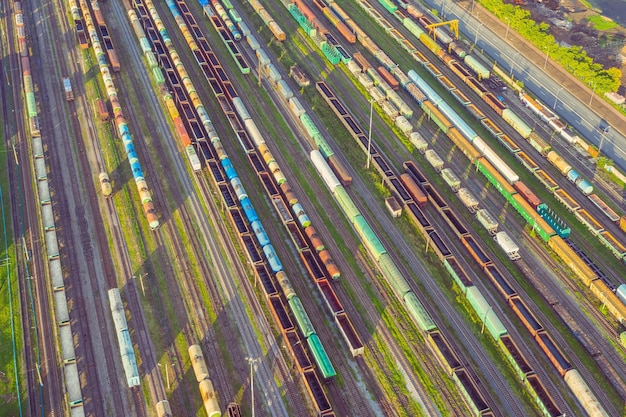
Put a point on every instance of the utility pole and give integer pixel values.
(369, 136)
(252, 361)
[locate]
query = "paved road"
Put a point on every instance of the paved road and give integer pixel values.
(574, 101)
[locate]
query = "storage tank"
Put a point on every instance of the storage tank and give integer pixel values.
(468, 200)
(434, 159)
(508, 245)
(487, 221)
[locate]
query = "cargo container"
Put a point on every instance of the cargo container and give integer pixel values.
(103, 111)
(390, 79)
(508, 245)
(67, 88)
(414, 190)
(451, 179)
(434, 159)
(488, 222)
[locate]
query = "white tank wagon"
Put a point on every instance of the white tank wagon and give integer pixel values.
(128, 359)
(451, 179)
(123, 337)
(508, 245)
(105, 184)
(324, 170)
(209, 398)
(434, 159)
(487, 220)
(117, 310)
(207, 391)
(584, 394)
(468, 199)
(198, 363)
(163, 409)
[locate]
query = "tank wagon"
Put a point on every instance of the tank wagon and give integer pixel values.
(121, 124)
(207, 391)
(123, 337)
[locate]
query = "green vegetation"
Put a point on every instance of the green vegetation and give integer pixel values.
(573, 58)
(11, 367)
(602, 23)
(9, 303)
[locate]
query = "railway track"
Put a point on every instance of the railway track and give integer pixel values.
(70, 217)
(356, 403)
(242, 310)
(38, 343)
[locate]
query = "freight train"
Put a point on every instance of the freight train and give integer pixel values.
(520, 203)
(412, 199)
(227, 171)
(120, 119)
(325, 366)
(67, 353)
(413, 196)
(610, 241)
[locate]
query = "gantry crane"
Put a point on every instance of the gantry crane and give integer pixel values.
(454, 26)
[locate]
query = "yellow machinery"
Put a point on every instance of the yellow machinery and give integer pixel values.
(454, 27)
